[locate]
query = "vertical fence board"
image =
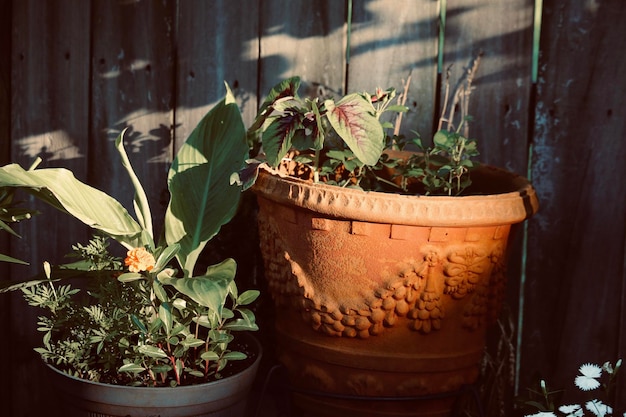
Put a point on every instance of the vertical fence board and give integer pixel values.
(388, 44)
(212, 50)
(5, 151)
(133, 87)
(502, 31)
(50, 116)
(576, 251)
(305, 39)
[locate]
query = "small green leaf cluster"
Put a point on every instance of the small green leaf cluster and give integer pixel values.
(143, 329)
(441, 169)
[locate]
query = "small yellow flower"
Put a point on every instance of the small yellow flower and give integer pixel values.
(139, 259)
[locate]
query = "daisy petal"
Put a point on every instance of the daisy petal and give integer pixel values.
(573, 410)
(586, 383)
(598, 408)
(590, 370)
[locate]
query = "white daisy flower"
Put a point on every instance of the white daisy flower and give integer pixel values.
(587, 381)
(598, 408)
(573, 410)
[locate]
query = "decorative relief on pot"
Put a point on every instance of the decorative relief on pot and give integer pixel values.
(489, 295)
(464, 270)
(283, 288)
(428, 311)
(365, 384)
(412, 295)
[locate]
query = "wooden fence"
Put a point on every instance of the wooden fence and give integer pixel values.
(74, 73)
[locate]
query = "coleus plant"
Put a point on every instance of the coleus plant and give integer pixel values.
(344, 142)
(323, 133)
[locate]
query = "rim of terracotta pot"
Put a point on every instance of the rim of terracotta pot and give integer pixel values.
(505, 198)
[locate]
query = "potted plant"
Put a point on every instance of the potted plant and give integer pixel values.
(383, 288)
(151, 335)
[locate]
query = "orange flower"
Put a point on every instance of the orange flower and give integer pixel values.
(139, 259)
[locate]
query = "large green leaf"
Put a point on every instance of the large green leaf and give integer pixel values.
(59, 188)
(202, 198)
(209, 290)
(354, 120)
(140, 201)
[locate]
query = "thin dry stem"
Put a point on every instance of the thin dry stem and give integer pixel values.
(460, 97)
(402, 101)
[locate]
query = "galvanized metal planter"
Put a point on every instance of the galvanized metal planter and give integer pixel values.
(226, 397)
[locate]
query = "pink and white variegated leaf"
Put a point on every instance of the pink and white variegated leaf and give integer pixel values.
(354, 120)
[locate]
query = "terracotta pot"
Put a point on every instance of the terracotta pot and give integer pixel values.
(225, 397)
(382, 295)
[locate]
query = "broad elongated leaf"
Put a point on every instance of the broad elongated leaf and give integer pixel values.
(131, 367)
(165, 314)
(5, 258)
(152, 351)
(130, 276)
(202, 198)
(59, 188)
(248, 297)
(142, 208)
(209, 290)
(192, 342)
(241, 325)
(209, 356)
(354, 120)
(234, 356)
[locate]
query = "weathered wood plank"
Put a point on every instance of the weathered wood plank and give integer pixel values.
(390, 42)
(50, 104)
(133, 87)
(502, 31)
(303, 38)
(576, 252)
(216, 44)
(5, 152)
